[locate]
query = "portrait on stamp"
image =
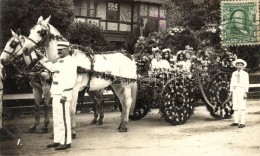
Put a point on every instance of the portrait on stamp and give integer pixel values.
(239, 22)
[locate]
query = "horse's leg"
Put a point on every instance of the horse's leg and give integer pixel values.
(124, 95)
(46, 102)
(93, 98)
(73, 104)
(37, 92)
(134, 90)
(100, 106)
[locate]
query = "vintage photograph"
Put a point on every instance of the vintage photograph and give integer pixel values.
(129, 77)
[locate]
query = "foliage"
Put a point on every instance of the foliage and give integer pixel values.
(23, 14)
(87, 34)
(174, 38)
(196, 16)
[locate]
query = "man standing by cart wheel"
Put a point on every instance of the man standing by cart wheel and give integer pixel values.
(61, 92)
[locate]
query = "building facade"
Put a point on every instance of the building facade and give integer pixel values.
(122, 18)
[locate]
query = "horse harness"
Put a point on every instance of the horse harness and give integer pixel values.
(103, 75)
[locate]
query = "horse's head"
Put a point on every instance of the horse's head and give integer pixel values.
(13, 47)
(38, 35)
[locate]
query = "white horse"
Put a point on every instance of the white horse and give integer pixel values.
(41, 89)
(103, 70)
(38, 82)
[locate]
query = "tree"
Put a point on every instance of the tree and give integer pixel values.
(196, 15)
(87, 34)
(23, 14)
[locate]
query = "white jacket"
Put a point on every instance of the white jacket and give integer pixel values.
(64, 75)
(159, 64)
(243, 82)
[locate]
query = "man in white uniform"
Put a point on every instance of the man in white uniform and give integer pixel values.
(238, 90)
(64, 78)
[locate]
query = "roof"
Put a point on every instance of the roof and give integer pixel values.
(144, 1)
(151, 1)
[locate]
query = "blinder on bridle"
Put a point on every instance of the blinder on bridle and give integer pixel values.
(13, 44)
(43, 33)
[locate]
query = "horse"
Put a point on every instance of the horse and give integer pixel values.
(42, 89)
(114, 69)
(38, 82)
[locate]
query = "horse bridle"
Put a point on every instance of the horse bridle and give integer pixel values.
(14, 48)
(14, 55)
(43, 34)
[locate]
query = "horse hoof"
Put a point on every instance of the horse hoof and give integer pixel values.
(73, 136)
(100, 123)
(52, 136)
(93, 122)
(44, 130)
(32, 129)
(119, 126)
(123, 129)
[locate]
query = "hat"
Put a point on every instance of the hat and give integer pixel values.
(156, 49)
(239, 61)
(166, 49)
(181, 52)
(188, 47)
(63, 45)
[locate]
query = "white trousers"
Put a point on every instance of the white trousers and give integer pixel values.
(239, 105)
(61, 121)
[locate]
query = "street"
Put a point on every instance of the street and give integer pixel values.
(201, 135)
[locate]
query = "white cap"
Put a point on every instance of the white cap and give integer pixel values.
(63, 44)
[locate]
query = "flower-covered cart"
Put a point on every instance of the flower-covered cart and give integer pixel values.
(177, 92)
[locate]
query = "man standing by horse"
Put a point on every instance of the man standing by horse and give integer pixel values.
(64, 78)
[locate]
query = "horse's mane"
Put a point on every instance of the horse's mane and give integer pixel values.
(56, 34)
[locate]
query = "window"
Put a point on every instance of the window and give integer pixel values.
(112, 11)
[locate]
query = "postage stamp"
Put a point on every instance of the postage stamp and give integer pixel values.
(240, 22)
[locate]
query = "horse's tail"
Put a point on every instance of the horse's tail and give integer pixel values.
(134, 90)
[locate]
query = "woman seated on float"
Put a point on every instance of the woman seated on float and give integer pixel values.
(188, 55)
(158, 63)
(166, 54)
(181, 60)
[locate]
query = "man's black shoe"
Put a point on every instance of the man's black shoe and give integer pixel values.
(234, 124)
(241, 126)
(63, 147)
(53, 145)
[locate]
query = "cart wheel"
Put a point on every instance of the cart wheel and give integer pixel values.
(141, 109)
(178, 101)
(217, 94)
(142, 104)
